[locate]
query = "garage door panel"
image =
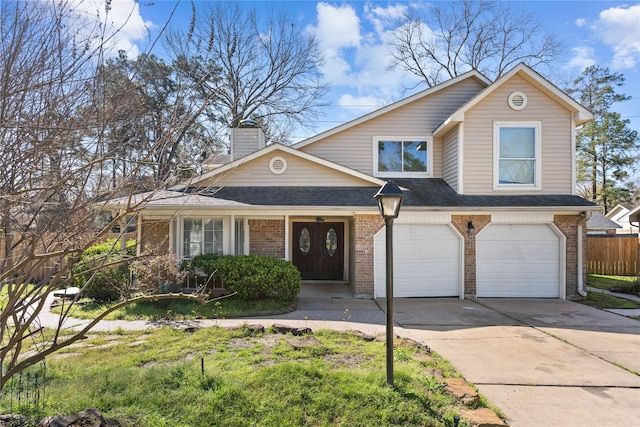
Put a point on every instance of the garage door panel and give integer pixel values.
(518, 260)
(426, 261)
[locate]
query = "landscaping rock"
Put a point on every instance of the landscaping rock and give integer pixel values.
(462, 391)
(437, 373)
(409, 343)
(483, 417)
(86, 418)
(304, 342)
(13, 420)
(382, 337)
(284, 329)
(255, 328)
(423, 357)
(364, 336)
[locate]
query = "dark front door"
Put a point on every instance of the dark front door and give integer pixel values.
(318, 250)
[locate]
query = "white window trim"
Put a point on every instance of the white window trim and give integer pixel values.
(427, 174)
(537, 185)
(226, 232)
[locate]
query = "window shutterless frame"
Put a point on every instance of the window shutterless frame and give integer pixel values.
(517, 161)
(397, 157)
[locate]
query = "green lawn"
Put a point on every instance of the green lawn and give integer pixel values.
(601, 281)
(155, 379)
(177, 309)
(629, 284)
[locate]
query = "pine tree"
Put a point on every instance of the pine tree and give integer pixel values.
(607, 149)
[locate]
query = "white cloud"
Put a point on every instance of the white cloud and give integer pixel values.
(122, 24)
(619, 28)
(357, 58)
(384, 17)
(337, 29)
(360, 104)
(580, 22)
(338, 26)
(583, 57)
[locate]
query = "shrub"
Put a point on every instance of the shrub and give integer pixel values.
(158, 274)
(206, 262)
(109, 283)
(256, 277)
(200, 269)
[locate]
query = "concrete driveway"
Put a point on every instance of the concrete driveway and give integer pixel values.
(542, 362)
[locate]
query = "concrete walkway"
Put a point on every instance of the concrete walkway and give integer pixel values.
(542, 362)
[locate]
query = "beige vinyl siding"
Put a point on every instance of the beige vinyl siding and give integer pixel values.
(299, 172)
(353, 147)
(555, 139)
(450, 158)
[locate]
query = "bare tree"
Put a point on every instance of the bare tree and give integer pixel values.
(262, 67)
(455, 37)
(56, 156)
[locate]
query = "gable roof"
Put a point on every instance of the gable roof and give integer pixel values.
(601, 222)
(580, 114)
(621, 208)
(193, 182)
(634, 217)
(473, 74)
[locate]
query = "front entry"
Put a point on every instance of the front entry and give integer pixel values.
(318, 250)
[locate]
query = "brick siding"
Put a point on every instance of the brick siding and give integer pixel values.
(460, 222)
(266, 237)
(365, 228)
(155, 237)
(568, 225)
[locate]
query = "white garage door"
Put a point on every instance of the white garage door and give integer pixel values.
(426, 261)
(518, 260)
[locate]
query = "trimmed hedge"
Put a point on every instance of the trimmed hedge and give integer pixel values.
(253, 277)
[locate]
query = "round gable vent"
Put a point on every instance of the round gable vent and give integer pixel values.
(277, 165)
(517, 100)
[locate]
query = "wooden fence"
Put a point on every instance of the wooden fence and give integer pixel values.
(613, 255)
(41, 271)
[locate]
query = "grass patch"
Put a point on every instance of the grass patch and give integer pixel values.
(177, 309)
(607, 282)
(155, 379)
(602, 301)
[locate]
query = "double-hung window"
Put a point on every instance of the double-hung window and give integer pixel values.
(202, 236)
(516, 155)
(402, 157)
(197, 236)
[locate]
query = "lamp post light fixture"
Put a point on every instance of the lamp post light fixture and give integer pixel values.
(471, 230)
(389, 198)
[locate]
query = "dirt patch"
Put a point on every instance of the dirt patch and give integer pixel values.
(66, 355)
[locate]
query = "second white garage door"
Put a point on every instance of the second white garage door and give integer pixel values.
(426, 261)
(518, 260)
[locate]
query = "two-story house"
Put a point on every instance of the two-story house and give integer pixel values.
(490, 210)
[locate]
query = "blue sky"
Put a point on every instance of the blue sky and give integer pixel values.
(354, 37)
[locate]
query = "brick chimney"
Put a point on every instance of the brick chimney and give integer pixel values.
(246, 138)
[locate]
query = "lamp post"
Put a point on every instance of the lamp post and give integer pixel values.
(389, 199)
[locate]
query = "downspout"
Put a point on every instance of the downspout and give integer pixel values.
(585, 217)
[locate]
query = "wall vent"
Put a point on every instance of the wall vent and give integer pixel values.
(277, 165)
(517, 100)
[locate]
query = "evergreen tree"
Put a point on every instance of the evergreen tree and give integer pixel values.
(607, 149)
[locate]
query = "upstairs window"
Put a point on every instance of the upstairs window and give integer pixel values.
(517, 155)
(400, 157)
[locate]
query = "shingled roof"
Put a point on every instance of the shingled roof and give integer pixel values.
(421, 192)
